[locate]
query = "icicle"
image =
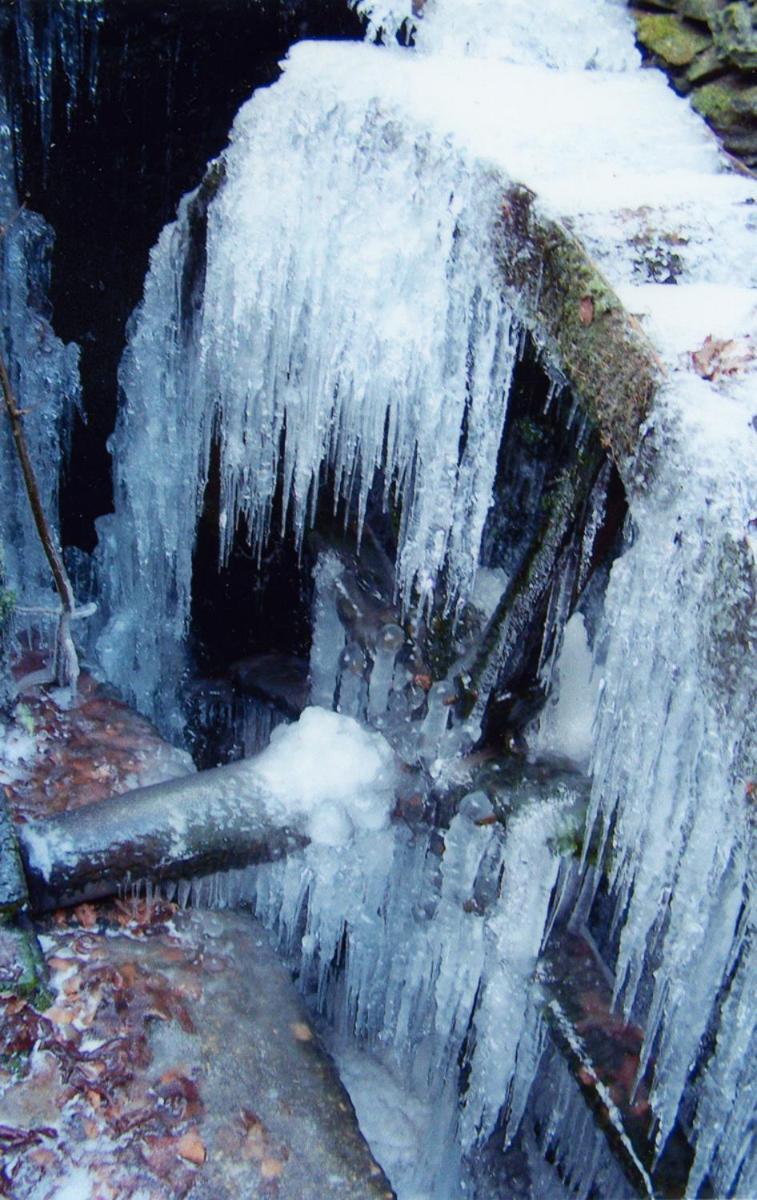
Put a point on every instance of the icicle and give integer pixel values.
(671, 788)
(390, 639)
(328, 632)
(56, 34)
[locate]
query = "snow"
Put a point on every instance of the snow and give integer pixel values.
(334, 770)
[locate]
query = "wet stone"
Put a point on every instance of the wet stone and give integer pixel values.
(12, 882)
(175, 1060)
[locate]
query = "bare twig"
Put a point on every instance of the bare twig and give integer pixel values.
(66, 661)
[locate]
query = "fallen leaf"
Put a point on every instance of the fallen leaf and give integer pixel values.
(86, 915)
(721, 356)
(191, 1147)
(302, 1032)
(60, 1016)
(586, 310)
(58, 963)
(271, 1168)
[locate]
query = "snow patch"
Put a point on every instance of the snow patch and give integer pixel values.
(327, 766)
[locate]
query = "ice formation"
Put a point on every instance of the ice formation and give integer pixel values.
(439, 954)
(56, 34)
(347, 319)
(45, 378)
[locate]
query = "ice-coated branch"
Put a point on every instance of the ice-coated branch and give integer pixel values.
(66, 660)
(209, 821)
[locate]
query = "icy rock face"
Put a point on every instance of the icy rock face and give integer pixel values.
(678, 682)
(45, 379)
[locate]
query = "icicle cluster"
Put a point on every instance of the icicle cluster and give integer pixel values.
(354, 323)
(45, 378)
(438, 956)
(57, 35)
(674, 753)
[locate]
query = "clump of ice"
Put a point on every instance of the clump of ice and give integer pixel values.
(327, 766)
(566, 724)
(489, 584)
(18, 749)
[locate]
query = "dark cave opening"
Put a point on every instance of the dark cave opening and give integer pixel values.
(172, 75)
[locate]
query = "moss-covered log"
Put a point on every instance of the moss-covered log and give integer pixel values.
(571, 309)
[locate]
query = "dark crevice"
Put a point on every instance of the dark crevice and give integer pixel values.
(172, 75)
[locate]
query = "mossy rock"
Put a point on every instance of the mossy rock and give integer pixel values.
(675, 42)
(735, 30)
(699, 10)
(574, 314)
(727, 104)
(706, 66)
(22, 965)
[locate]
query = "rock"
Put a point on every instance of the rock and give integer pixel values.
(13, 894)
(698, 10)
(706, 66)
(727, 104)
(207, 1080)
(676, 42)
(735, 29)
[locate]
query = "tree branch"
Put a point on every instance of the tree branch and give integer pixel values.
(66, 661)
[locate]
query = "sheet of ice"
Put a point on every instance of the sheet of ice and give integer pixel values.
(489, 584)
(332, 768)
(394, 1122)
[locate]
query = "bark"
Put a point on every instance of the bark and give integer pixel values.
(210, 821)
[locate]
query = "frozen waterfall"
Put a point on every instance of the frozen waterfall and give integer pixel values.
(326, 316)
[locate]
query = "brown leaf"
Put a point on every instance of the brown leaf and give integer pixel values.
(60, 1016)
(86, 915)
(721, 356)
(586, 310)
(191, 1147)
(58, 963)
(302, 1032)
(271, 1168)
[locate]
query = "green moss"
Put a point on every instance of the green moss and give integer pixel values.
(725, 105)
(576, 317)
(705, 67)
(674, 41)
(736, 35)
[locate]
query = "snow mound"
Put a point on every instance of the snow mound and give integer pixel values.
(327, 766)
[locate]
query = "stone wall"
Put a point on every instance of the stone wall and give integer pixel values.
(709, 50)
